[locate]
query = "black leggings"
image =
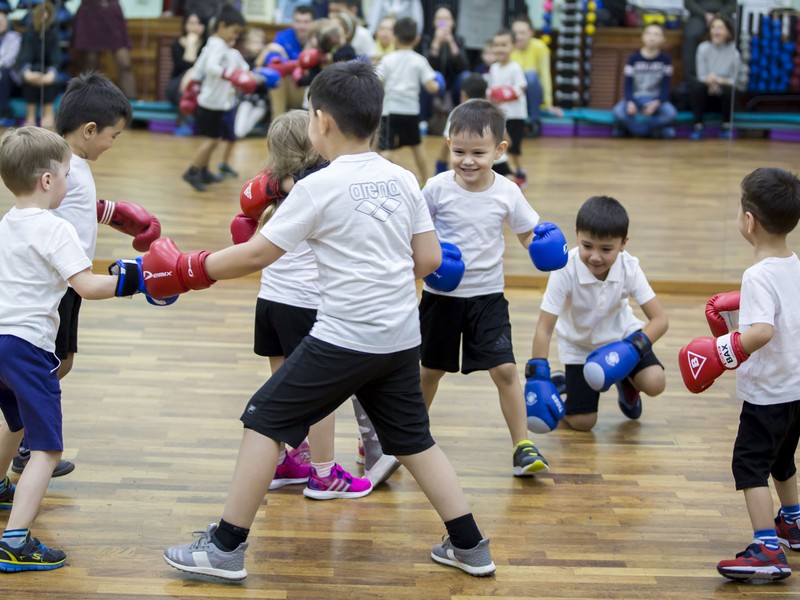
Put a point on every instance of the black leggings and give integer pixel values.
(701, 102)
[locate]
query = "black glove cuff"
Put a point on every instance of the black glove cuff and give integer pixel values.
(538, 368)
(127, 272)
(641, 342)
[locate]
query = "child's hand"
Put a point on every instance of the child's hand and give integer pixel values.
(630, 108)
(651, 107)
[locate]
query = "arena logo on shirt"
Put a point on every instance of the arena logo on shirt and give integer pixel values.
(378, 199)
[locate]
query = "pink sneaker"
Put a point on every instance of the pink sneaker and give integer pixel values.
(290, 472)
(301, 454)
(339, 484)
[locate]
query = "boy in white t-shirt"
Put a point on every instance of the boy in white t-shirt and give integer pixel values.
(768, 383)
(372, 236)
(40, 254)
(507, 84)
(586, 303)
(470, 206)
(403, 72)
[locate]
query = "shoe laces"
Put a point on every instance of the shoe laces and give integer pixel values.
(202, 541)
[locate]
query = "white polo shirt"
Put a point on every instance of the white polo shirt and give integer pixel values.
(591, 312)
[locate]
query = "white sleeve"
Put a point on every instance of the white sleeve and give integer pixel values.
(523, 217)
(65, 252)
(640, 289)
(757, 303)
(426, 72)
(519, 77)
(557, 292)
(295, 220)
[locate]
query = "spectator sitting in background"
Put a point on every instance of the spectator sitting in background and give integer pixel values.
(185, 50)
(384, 38)
(39, 61)
(646, 108)
(701, 12)
(361, 41)
(533, 56)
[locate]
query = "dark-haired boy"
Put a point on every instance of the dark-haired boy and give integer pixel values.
(586, 303)
(403, 72)
(764, 351)
(365, 221)
(92, 114)
(470, 206)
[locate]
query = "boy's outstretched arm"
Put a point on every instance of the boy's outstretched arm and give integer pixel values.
(426, 252)
(91, 286)
(657, 323)
(544, 333)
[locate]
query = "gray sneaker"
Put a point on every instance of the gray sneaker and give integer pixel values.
(477, 561)
(382, 469)
(528, 460)
(202, 557)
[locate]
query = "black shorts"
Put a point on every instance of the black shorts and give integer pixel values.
(502, 168)
(318, 377)
(208, 123)
(516, 131)
(228, 120)
(398, 131)
(67, 335)
(280, 327)
(765, 444)
(582, 399)
(482, 321)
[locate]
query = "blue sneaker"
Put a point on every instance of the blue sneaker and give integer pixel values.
(725, 134)
(697, 134)
(31, 556)
(6, 493)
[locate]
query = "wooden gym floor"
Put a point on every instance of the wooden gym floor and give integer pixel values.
(634, 509)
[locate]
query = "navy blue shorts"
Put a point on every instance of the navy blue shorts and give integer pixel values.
(30, 393)
(318, 377)
(280, 327)
(479, 326)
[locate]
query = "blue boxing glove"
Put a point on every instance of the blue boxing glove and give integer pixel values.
(130, 281)
(542, 400)
(548, 250)
(447, 277)
(273, 57)
(439, 78)
(613, 362)
(272, 78)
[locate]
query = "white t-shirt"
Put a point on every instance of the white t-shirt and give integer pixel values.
(473, 221)
(510, 74)
(38, 253)
(292, 279)
(79, 207)
(216, 57)
(591, 312)
(403, 72)
(358, 216)
(771, 295)
(363, 43)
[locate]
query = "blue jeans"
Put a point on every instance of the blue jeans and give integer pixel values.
(535, 95)
(642, 125)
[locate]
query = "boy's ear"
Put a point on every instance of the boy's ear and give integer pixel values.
(324, 121)
(89, 129)
(622, 245)
(750, 222)
(501, 149)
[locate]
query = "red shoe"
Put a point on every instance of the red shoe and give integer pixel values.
(788, 535)
(339, 484)
(756, 563)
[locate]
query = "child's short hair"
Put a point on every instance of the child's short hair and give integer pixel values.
(656, 25)
(773, 197)
(304, 9)
(502, 32)
(352, 94)
(26, 153)
(91, 97)
(405, 30)
(229, 15)
(523, 18)
(603, 217)
(474, 86)
(475, 116)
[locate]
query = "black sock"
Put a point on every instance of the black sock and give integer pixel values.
(227, 537)
(463, 532)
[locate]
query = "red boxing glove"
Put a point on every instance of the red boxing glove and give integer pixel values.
(243, 80)
(168, 272)
(722, 313)
(188, 103)
(309, 58)
(704, 359)
(503, 93)
(258, 193)
(243, 228)
(131, 219)
(283, 67)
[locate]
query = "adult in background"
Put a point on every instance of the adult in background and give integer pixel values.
(100, 27)
(712, 90)
(701, 12)
(287, 45)
(185, 49)
(10, 42)
(446, 53)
